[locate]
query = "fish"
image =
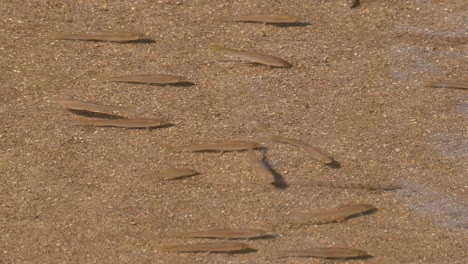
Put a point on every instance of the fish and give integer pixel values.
(314, 152)
(103, 36)
(175, 174)
(328, 253)
(159, 79)
(230, 233)
(447, 84)
(261, 169)
(267, 19)
(234, 145)
(89, 106)
(217, 247)
(351, 185)
(338, 214)
(125, 122)
(253, 56)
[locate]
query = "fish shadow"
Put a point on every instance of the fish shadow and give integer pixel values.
(157, 127)
(258, 64)
(179, 84)
(141, 41)
(94, 114)
(263, 149)
(362, 214)
(355, 4)
(297, 24)
(391, 188)
(150, 128)
(244, 251)
(267, 237)
(356, 258)
(368, 256)
(335, 165)
(454, 88)
(182, 84)
(278, 179)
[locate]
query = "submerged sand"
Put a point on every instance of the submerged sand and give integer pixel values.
(74, 194)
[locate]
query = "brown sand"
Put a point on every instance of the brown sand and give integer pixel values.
(72, 194)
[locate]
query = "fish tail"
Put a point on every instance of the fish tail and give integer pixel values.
(61, 36)
(175, 234)
(216, 47)
(177, 148)
(107, 79)
(223, 18)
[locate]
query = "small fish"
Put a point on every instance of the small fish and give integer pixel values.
(234, 145)
(261, 169)
(338, 214)
(90, 107)
(252, 56)
(176, 174)
(217, 247)
(366, 186)
(328, 253)
(314, 152)
(125, 122)
(103, 36)
(444, 84)
(267, 19)
(231, 233)
(160, 79)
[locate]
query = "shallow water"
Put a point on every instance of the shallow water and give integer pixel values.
(441, 209)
